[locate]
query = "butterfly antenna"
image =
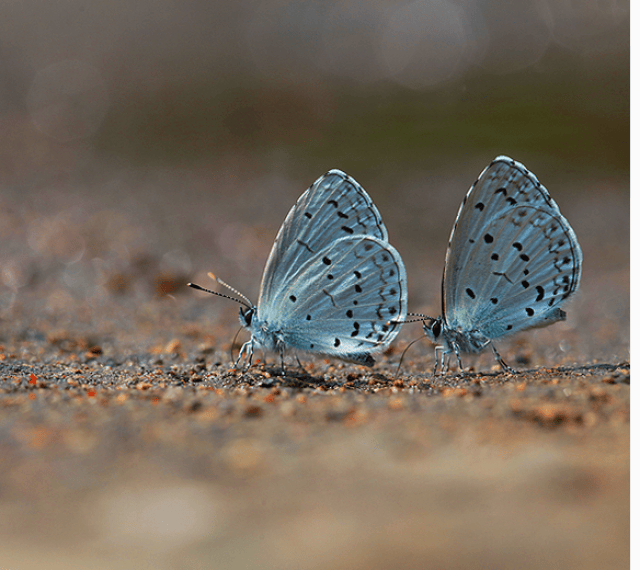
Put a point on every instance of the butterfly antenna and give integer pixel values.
(218, 280)
(420, 318)
(405, 351)
(194, 286)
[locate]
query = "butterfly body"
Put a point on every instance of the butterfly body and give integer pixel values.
(512, 260)
(272, 337)
(263, 334)
(332, 285)
(325, 310)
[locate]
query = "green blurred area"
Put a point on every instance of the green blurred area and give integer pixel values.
(567, 111)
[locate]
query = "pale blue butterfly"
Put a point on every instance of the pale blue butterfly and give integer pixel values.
(333, 285)
(512, 261)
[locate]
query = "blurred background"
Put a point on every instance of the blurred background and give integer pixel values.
(144, 144)
(290, 85)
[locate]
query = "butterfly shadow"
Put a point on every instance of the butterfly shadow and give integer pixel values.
(621, 369)
(274, 376)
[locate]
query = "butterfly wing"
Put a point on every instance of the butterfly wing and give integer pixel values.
(334, 206)
(347, 300)
(513, 259)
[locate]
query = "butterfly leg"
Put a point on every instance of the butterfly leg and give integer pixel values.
(248, 348)
(457, 350)
(445, 365)
(502, 363)
(439, 359)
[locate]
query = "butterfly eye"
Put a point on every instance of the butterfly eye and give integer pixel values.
(246, 316)
(436, 328)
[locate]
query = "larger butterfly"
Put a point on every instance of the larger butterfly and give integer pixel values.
(333, 285)
(512, 261)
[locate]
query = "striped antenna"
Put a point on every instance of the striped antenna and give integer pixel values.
(242, 301)
(218, 280)
(421, 318)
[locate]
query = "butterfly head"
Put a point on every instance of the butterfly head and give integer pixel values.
(432, 328)
(246, 316)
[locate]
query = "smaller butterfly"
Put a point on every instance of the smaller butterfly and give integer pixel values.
(333, 285)
(512, 261)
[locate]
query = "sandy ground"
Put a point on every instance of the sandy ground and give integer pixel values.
(127, 441)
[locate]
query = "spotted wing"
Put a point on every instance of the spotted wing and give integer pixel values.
(335, 206)
(502, 185)
(347, 300)
(513, 259)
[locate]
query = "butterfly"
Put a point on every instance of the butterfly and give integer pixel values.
(512, 261)
(332, 285)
